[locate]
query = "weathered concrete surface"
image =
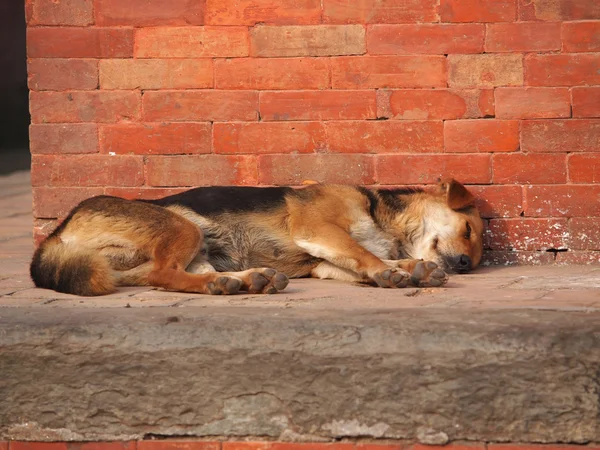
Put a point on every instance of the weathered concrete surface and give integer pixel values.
(503, 354)
(450, 374)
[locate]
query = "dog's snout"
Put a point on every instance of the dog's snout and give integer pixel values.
(463, 264)
(460, 264)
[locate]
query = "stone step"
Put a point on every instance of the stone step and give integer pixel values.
(427, 374)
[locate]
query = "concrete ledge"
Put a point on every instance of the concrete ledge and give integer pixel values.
(432, 375)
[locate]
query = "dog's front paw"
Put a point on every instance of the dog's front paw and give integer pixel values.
(266, 281)
(391, 278)
(428, 274)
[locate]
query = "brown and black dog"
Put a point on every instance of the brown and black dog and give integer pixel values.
(221, 240)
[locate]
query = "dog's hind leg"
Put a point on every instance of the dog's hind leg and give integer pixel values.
(262, 280)
(160, 249)
(172, 256)
(422, 273)
(255, 281)
(174, 252)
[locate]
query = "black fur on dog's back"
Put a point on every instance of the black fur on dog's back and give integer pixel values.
(215, 200)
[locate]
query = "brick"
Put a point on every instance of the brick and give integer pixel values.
(584, 168)
(574, 69)
(63, 138)
(86, 170)
(581, 36)
(156, 73)
(425, 39)
(469, 136)
(131, 445)
(269, 137)
(571, 258)
(517, 258)
(361, 446)
(251, 12)
(420, 169)
(478, 10)
(155, 138)
(487, 70)
(178, 445)
(522, 37)
(142, 193)
(307, 40)
(20, 445)
(388, 71)
(303, 446)
(375, 11)
(529, 446)
(54, 74)
(64, 12)
(486, 105)
(317, 105)
(574, 135)
(527, 234)
(584, 234)
(556, 10)
(385, 136)
(311, 446)
(191, 42)
(530, 168)
(84, 106)
(575, 200)
(53, 202)
(114, 445)
(415, 104)
(532, 103)
(498, 201)
(247, 445)
(201, 170)
(59, 42)
(200, 105)
(325, 168)
(586, 101)
(42, 228)
(143, 13)
(272, 73)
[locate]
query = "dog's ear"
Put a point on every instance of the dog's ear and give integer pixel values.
(456, 194)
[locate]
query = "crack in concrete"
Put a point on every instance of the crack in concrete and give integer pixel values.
(18, 236)
(512, 282)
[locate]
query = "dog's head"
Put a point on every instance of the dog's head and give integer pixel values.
(450, 232)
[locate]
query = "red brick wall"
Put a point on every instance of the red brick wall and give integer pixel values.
(142, 98)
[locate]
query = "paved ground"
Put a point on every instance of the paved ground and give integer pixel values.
(568, 288)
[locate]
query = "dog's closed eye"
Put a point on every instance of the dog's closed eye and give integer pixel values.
(468, 232)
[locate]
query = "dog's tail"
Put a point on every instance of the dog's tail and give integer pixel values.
(71, 269)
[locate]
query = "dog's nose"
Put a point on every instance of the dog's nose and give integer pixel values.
(463, 264)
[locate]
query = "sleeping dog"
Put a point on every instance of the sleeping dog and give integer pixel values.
(222, 240)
